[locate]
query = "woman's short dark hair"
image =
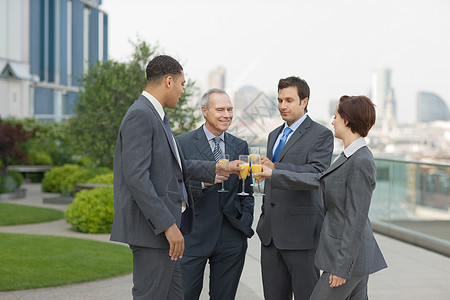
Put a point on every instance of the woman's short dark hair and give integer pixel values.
(161, 66)
(358, 112)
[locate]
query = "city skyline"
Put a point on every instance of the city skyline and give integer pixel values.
(335, 46)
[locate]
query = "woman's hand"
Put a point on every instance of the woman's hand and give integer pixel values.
(336, 281)
(264, 174)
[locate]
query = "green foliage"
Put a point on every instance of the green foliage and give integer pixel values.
(10, 181)
(34, 261)
(54, 178)
(92, 211)
(52, 138)
(14, 214)
(61, 179)
(107, 178)
(109, 89)
(39, 158)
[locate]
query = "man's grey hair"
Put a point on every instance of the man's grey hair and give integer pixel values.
(205, 98)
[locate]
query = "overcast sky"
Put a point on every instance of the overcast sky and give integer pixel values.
(335, 45)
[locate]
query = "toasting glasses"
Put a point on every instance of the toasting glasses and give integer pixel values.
(245, 164)
(255, 162)
(224, 158)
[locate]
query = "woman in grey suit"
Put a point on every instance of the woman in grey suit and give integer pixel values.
(347, 251)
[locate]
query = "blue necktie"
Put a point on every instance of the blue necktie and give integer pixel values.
(281, 144)
(167, 126)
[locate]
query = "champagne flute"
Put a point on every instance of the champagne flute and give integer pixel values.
(245, 164)
(224, 158)
(256, 168)
(254, 151)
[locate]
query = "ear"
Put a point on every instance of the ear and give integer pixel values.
(204, 111)
(304, 102)
(168, 81)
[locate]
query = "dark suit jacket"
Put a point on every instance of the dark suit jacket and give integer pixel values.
(211, 206)
(347, 245)
(293, 219)
(148, 179)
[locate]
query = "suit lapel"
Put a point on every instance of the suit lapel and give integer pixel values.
(342, 159)
(202, 144)
(158, 117)
(295, 136)
(230, 147)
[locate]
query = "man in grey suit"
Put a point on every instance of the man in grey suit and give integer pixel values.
(290, 221)
(151, 203)
(223, 220)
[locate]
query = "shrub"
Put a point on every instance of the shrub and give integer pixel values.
(92, 211)
(107, 178)
(10, 182)
(18, 178)
(61, 179)
(39, 158)
(81, 175)
(54, 178)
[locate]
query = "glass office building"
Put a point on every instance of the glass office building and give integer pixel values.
(45, 47)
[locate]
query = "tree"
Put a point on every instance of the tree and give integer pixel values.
(11, 138)
(109, 89)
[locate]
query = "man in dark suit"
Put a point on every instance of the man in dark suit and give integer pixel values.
(290, 220)
(152, 206)
(223, 220)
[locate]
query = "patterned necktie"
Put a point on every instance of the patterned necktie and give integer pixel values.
(280, 146)
(217, 151)
(169, 131)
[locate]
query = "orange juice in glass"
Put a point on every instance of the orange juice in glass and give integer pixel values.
(243, 162)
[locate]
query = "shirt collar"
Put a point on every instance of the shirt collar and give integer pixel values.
(354, 146)
(296, 123)
(210, 135)
(155, 103)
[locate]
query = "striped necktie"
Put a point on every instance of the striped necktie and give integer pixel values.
(217, 151)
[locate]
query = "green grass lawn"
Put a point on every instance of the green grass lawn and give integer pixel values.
(14, 214)
(36, 261)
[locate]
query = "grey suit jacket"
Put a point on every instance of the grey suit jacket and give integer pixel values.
(211, 206)
(148, 179)
(347, 246)
(292, 218)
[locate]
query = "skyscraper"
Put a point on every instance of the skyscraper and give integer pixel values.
(45, 47)
(383, 95)
(216, 78)
(431, 107)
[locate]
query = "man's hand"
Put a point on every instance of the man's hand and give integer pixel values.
(336, 281)
(176, 241)
(228, 168)
(264, 174)
(267, 162)
(219, 179)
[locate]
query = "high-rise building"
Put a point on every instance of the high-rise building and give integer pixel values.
(431, 107)
(383, 95)
(216, 78)
(45, 47)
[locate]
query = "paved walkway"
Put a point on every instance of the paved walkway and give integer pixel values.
(413, 273)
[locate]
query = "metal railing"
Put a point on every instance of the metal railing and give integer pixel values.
(412, 203)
